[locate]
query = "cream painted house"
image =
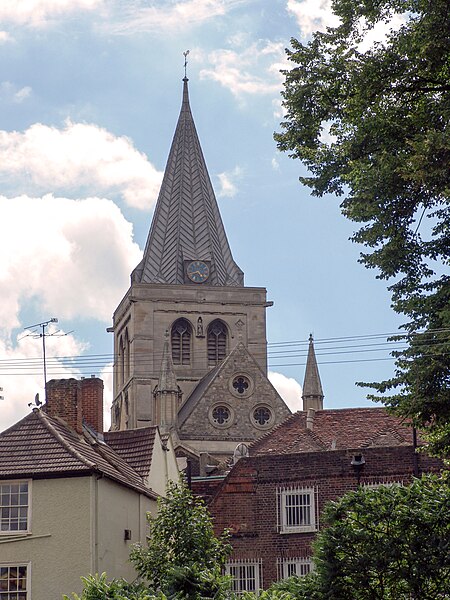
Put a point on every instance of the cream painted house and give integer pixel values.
(72, 501)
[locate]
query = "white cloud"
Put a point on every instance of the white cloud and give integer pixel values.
(5, 37)
(79, 155)
(312, 15)
(71, 257)
(171, 15)
(107, 376)
(37, 13)
(21, 372)
(248, 71)
(275, 164)
(227, 182)
(379, 32)
(288, 388)
(10, 92)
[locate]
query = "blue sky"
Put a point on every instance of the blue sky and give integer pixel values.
(90, 92)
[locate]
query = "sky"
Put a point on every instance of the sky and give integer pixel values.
(90, 93)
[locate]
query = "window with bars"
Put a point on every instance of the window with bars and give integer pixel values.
(297, 510)
(14, 582)
(288, 567)
(181, 342)
(216, 342)
(14, 507)
(246, 574)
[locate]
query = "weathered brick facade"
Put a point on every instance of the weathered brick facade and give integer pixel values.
(248, 501)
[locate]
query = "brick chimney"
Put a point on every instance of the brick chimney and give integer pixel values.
(76, 401)
(92, 402)
(64, 401)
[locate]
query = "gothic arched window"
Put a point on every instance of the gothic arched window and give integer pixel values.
(216, 342)
(181, 337)
(126, 357)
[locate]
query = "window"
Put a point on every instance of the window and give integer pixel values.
(14, 582)
(246, 574)
(221, 415)
(262, 417)
(181, 342)
(14, 507)
(216, 342)
(287, 567)
(297, 510)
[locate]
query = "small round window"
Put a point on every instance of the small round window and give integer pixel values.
(262, 417)
(221, 415)
(241, 384)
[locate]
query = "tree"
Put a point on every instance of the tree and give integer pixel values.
(374, 125)
(183, 556)
(390, 543)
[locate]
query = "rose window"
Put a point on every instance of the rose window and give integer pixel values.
(241, 384)
(221, 415)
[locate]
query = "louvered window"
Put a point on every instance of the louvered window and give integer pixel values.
(217, 342)
(181, 342)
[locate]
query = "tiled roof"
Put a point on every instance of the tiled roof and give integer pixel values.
(335, 430)
(135, 446)
(40, 445)
(187, 224)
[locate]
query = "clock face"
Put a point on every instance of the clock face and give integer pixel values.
(197, 271)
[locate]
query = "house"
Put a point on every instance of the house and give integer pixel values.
(273, 496)
(189, 336)
(73, 500)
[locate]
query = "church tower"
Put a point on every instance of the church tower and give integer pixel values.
(189, 286)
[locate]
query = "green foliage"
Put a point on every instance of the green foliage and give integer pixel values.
(374, 125)
(97, 588)
(183, 557)
(390, 543)
(300, 588)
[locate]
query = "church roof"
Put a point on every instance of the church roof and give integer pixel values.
(335, 429)
(43, 446)
(187, 224)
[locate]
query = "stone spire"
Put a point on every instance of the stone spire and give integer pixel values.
(167, 393)
(312, 395)
(187, 225)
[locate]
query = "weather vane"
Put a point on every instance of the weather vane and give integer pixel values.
(185, 54)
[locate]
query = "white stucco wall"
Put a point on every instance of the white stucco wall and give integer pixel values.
(77, 528)
(119, 509)
(59, 545)
(164, 466)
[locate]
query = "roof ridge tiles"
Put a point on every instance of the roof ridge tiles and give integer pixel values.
(45, 419)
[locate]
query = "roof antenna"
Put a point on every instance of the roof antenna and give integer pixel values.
(185, 54)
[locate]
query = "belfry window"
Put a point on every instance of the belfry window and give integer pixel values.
(181, 342)
(217, 342)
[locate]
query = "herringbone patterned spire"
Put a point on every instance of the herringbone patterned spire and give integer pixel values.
(187, 224)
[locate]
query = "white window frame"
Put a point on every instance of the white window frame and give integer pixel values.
(13, 594)
(286, 509)
(301, 567)
(9, 532)
(248, 570)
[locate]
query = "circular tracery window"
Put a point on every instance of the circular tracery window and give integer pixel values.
(262, 415)
(241, 384)
(221, 415)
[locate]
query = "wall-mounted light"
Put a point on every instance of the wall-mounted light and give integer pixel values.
(358, 462)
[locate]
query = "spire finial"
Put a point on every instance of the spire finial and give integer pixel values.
(185, 54)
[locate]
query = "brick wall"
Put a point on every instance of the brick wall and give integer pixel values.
(92, 402)
(246, 502)
(64, 401)
(76, 401)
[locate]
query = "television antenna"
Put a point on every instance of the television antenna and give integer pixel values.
(42, 334)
